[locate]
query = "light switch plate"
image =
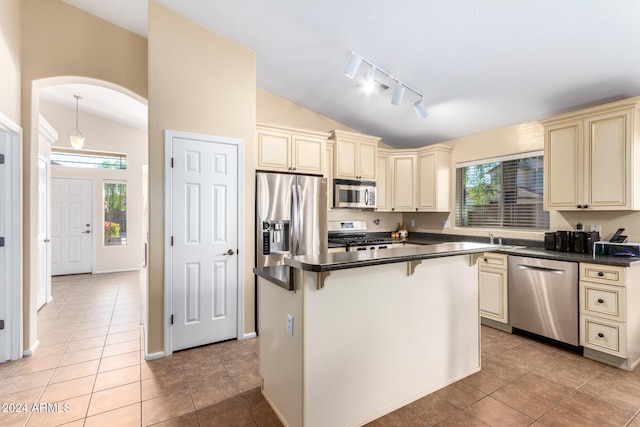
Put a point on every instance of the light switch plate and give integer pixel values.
(290, 324)
(595, 227)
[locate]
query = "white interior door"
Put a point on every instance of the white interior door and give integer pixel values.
(5, 182)
(10, 241)
(44, 274)
(71, 219)
(204, 230)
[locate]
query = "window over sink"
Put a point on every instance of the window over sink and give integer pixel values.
(504, 192)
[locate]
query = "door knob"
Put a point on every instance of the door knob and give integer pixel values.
(229, 252)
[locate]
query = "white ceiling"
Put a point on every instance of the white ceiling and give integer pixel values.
(481, 64)
(98, 101)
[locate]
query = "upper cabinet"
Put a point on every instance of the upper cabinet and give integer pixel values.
(286, 149)
(383, 180)
(590, 158)
(433, 184)
(355, 155)
(414, 180)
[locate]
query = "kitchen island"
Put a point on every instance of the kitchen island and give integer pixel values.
(364, 333)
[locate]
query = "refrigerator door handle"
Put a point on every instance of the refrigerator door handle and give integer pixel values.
(294, 220)
(300, 219)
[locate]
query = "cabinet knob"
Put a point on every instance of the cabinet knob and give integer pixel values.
(579, 206)
(293, 168)
(600, 334)
(600, 300)
(585, 206)
(486, 260)
(416, 209)
(393, 209)
(600, 274)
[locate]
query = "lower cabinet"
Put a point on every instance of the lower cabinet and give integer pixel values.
(493, 282)
(609, 331)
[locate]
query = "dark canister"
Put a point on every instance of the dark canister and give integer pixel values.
(563, 241)
(550, 241)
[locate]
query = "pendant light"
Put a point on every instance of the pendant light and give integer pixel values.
(75, 136)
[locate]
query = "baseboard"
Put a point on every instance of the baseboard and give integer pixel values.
(153, 356)
(29, 351)
(496, 325)
(249, 336)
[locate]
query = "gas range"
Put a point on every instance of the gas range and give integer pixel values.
(352, 235)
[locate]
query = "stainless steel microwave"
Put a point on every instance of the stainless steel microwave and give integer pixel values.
(354, 194)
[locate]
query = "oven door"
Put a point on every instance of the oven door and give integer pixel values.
(354, 194)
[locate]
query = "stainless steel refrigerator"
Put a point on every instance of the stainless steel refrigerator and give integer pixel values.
(291, 217)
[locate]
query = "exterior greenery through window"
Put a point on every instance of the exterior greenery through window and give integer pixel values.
(502, 193)
(115, 214)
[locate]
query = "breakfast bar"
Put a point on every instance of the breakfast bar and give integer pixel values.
(361, 334)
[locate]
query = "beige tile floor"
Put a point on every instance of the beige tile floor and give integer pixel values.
(91, 360)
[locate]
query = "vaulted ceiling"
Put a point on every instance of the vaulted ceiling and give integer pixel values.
(480, 64)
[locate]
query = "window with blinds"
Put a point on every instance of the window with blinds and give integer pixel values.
(504, 192)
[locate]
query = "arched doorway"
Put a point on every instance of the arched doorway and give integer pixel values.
(114, 121)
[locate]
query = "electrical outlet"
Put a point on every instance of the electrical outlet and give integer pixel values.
(595, 227)
(412, 223)
(290, 324)
(446, 224)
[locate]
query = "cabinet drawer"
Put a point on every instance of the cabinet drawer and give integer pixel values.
(494, 260)
(603, 300)
(608, 274)
(602, 335)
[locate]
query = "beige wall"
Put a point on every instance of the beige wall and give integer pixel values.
(203, 83)
(10, 59)
(274, 109)
(61, 40)
(105, 135)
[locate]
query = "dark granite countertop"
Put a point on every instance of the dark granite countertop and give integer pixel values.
(343, 260)
(572, 256)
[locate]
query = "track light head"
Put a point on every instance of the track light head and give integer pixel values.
(398, 93)
(353, 66)
(420, 109)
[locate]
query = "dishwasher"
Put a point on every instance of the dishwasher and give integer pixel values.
(543, 298)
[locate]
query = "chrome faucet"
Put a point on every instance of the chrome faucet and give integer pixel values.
(490, 238)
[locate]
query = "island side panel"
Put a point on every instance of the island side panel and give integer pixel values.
(377, 339)
(281, 353)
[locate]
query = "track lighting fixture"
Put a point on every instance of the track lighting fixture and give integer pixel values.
(75, 136)
(420, 109)
(353, 66)
(398, 93)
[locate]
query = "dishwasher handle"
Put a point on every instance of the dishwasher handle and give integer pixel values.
(540, 268)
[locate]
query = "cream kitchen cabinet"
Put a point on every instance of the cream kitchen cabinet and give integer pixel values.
(403, 176)
(494, 287)
(383, 181)
(395, 181)
(328, 173)
(590, 158)
(286, 149)
(609, 316)
(433, 183)
(355, 155)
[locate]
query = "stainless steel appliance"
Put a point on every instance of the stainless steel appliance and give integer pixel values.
(291, 217)
(352, 236)
(354, 194)
(543, 298)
